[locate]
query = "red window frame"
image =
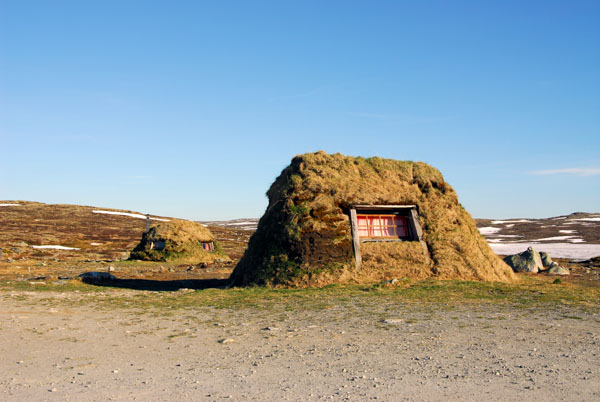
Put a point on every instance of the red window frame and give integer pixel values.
(382, 226)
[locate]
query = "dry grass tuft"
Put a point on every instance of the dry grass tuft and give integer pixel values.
(394, 260)
(304, 237)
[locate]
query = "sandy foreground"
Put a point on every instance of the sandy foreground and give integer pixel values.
(56, 346)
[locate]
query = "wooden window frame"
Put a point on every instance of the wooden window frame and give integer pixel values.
(414, 230)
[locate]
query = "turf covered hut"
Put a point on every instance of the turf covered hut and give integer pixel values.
(336, 219)
(178, 240)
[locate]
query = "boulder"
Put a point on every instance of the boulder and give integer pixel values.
(558, 270)
(97, 277)
(546, 260)
(527, 261)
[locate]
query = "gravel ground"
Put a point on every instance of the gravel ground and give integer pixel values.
(54, 348)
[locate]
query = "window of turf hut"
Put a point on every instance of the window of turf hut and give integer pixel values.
(384, 223)
(208, 246)
(157, 245)
(160, 245)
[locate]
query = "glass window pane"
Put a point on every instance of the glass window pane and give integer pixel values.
(362, 226)
(377, 232)
(401, 228)
(387, 226)
(388, 231)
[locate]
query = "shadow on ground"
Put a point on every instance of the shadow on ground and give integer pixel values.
(160, 286)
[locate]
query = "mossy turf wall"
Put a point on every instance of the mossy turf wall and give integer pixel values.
(180, 241)
(304, 238)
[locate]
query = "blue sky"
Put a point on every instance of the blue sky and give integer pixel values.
(192, 108)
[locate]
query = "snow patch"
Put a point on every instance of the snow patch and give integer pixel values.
(587, 219)
(509, 225)
(567, 231)
(9, 205)
(556, 250)
(96, 244)
(510, 221)
(139, 216)
(554, 238)
(489, 230)
(55, 247)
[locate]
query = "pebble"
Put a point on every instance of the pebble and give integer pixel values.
(393, 321)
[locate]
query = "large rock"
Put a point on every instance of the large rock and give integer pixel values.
(527, 261)
(558, 270)
(546, 260)
(97, 277)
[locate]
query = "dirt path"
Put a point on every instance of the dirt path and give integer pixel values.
(54, 348)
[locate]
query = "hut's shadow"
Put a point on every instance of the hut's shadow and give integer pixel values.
(160, 286)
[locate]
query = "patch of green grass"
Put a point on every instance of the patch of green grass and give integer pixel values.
(572, 317)
(68, 286)
(530, 292)
(178, 334)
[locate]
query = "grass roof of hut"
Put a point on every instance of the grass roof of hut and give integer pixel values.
(178, 240)
(305, 236)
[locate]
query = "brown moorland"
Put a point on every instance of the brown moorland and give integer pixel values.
(100, 241)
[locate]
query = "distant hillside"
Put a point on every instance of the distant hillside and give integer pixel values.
(244, 224)
(574, 236)
(33, 229)
(37, 230)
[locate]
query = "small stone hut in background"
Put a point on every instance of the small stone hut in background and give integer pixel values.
(340, 219)
(180, 241)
